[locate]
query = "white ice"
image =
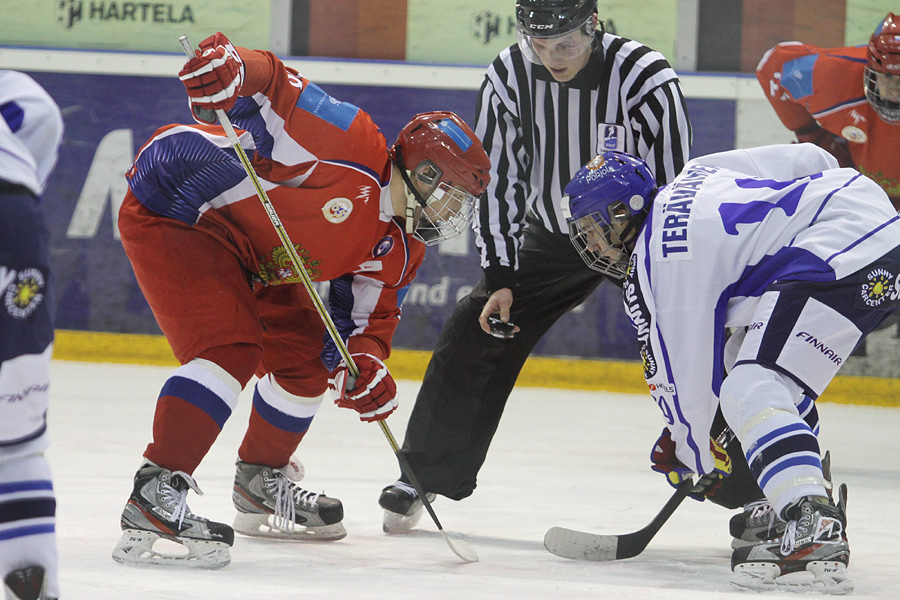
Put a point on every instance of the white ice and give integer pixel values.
(574, 459)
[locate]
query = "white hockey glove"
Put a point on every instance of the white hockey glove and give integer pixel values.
(373, 395)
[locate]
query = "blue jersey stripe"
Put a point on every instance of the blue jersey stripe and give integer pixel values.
(245, 115)
(26, 486)
(13, 115)
(27, 531)
(175, 175)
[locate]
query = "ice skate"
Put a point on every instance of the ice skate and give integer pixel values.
(270, 504)
(813, 553)
(28, 583)
(758, 521)
(402, 507)
(157, 511)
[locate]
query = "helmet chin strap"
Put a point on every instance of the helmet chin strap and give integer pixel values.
(413, 197)
(411, 202)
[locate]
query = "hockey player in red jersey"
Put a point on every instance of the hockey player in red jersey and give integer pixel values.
(226, 295)
(845, 100)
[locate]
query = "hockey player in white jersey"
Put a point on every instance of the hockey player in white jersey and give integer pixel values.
(795, 256)
(31, 129)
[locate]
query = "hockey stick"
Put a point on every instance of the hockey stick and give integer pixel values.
(460, 548)
(581, 545)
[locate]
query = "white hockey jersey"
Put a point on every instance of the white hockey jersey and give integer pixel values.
(726, 228)
(31, 129)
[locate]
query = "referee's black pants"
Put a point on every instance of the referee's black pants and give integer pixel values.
(471, 373)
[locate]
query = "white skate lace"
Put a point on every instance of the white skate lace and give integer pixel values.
(406, 488)
(287, 496)
(175, 500)
(760, 511)
(788, 542)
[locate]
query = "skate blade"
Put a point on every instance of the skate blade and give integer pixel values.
(135, 547)
(829, 577)
(396, 523)
(265, 526)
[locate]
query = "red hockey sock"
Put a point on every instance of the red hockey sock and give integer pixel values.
(265, 444)
(182, 435)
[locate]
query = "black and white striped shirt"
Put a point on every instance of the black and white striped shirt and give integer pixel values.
(539, 132)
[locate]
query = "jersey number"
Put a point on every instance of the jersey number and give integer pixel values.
(734, 213)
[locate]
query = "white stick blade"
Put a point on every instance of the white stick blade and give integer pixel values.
(579, 545)
(460, 548)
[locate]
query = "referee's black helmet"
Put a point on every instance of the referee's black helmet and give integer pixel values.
(551, 18)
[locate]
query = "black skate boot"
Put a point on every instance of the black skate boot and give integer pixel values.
(814, 544)
(28, 583)
(157, 509)
(271, 505)
(758, 521)
(402, 507)
(756, 524)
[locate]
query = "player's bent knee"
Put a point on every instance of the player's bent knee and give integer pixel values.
(232, 361)
(750, 387)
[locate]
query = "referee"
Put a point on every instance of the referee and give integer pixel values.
(566, 92)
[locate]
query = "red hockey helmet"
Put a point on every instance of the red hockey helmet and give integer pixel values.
(445, 169)
(882, 73)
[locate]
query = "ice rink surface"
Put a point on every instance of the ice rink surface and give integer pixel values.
(574, 459)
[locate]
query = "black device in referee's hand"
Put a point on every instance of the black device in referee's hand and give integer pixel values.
(499, 329)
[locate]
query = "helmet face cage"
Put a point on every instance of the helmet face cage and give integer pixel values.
(882, 72)
(598, 240)
(880, 87)
(564, 27)
(448, 211)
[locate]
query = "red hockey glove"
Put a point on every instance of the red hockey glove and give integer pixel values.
(834, 145)
(214, 77)
(373, 395)
(665, 462)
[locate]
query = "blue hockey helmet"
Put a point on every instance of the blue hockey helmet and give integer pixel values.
(605, 205)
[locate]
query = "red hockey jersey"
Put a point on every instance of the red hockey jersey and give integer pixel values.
(808, 84)
(325, 167)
